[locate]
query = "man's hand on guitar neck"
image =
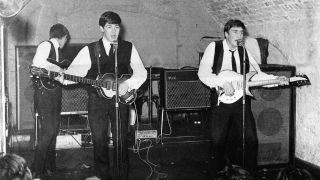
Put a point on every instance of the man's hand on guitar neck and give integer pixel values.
(283, 80)
(60, 78)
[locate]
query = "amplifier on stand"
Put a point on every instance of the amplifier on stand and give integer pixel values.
(182, 89)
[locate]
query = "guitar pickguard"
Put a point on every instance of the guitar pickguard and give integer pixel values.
(47, 83)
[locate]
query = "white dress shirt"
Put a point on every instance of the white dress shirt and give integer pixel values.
(82, 63)
(213, 80)
(42, 53)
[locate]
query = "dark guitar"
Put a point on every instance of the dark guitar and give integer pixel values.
(105, 84)
(49, 83)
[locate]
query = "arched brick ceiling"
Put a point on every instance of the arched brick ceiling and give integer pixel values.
(262, 11)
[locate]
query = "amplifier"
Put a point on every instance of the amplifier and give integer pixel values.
(182, 89)
(74, 99)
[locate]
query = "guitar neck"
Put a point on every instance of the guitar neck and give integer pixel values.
(78, 79)
(263, 82)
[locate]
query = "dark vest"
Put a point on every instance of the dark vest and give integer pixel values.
(52, 53)
(107, 63)
(52, 58)
(217, 64)
(218, 58)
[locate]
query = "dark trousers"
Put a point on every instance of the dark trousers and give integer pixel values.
(227, 142)
(100, 111)
(48, 106)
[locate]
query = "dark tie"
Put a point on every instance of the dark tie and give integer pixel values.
(111, 50)
(233, 60)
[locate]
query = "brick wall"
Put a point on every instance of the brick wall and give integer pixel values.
(262, 11)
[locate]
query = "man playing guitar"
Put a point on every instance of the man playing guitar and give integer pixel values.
(96, 62)
(47, 99)
(220, 66)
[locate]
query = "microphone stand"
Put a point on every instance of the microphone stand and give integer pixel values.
(243, 103)
(118, 123)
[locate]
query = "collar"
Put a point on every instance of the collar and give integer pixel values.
(106, 43)
(55, 42)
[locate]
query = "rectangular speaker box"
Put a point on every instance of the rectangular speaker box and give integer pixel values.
(25, 114)
(273, 110)
(182, 89)
(73, 97)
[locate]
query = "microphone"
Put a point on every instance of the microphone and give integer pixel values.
(240, 42)
(115, 45)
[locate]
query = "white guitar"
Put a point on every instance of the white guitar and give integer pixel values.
(236, 80)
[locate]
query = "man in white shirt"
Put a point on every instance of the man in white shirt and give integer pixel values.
(98, 58)
(47, 99)
(221, 64)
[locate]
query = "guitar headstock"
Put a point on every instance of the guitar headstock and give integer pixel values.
(41, 72)
(300, 80)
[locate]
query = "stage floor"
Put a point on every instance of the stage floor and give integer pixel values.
(181, 153)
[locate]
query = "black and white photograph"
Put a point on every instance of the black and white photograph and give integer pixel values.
(159, 90)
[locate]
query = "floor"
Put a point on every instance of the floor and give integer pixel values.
(181, 154)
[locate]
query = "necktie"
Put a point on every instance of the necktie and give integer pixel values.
(233, 61)
(111, 50)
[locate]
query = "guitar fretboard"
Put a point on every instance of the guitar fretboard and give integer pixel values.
(107, 85)
(263, 82)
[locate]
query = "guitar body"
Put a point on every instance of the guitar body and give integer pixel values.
(49, 84)
(236, 80)
(108, 88)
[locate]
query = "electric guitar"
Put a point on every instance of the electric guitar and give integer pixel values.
(236, 80)
(48, 83)
(105, 84)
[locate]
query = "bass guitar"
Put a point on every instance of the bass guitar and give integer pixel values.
(105, 84)
(237, 83)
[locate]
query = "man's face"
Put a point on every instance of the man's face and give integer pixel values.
(111, 31)
(234, 34)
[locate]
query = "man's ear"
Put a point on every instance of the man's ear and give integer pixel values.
(226, 34)
(101, 28)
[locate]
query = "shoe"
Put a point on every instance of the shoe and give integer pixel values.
(93, 178)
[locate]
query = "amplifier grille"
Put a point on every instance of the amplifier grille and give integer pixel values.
(182, 89)
(74, 99)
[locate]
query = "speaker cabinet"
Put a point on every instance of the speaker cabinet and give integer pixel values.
(273, 110)
(73, 97)
(182, 89)
(24, 88)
